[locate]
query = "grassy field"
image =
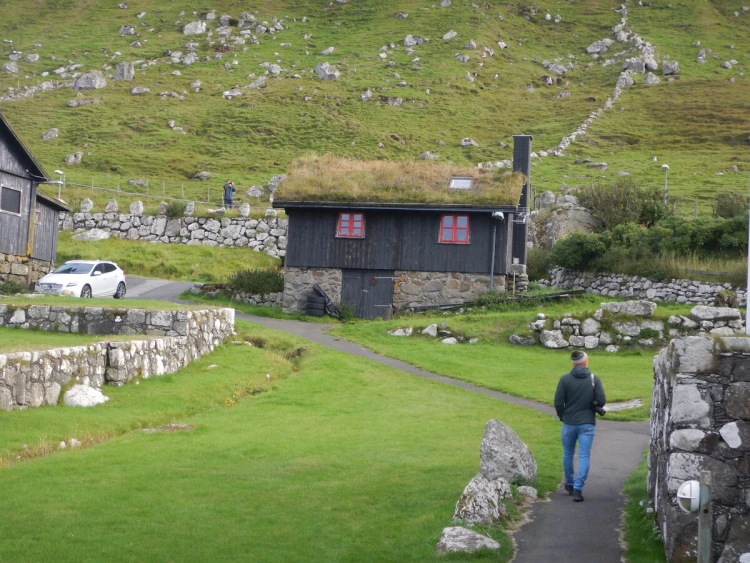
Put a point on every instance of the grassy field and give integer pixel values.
(529, 372)
(19, 340)
(698, 124)
(644, 543)
(336, 457)
(165, 261)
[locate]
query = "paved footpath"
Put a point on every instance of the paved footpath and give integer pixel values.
(559, 530)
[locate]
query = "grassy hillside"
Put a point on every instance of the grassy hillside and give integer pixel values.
(698, 123)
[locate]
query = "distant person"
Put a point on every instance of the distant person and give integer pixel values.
(579, 396)
(229, 193)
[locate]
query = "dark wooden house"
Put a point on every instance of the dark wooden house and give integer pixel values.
(28, 219)
(460, 235)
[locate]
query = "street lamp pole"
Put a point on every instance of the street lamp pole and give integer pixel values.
(60, 184)
(665, 167)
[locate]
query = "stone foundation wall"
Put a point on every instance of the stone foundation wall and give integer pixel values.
(617, 285)
(32, 379)
(412, 288)
(700, 421)
(17, 268)
(298, 284)
(267, 235)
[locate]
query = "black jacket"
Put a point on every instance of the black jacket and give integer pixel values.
(575, 394)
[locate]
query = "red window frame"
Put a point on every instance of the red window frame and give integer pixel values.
(351, 225)
(454, 229)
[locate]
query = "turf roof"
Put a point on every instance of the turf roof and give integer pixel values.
(337, 180)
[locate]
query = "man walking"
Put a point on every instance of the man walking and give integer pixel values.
(228, 193)
(578, 394)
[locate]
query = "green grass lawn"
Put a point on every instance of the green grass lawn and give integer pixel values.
(20, 340)
(644, 542)
(336, 459)
(530, 372)
(165, 261)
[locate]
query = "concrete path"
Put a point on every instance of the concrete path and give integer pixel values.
(558, 530)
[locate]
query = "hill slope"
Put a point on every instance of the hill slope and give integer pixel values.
(698, 123)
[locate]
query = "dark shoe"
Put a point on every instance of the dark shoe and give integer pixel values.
(577, 496)
(569, 489)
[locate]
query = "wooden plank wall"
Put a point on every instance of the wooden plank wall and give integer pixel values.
(394, 240)
(45, 234)
(14, 229)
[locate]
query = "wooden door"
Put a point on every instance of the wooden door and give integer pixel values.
(370, 292)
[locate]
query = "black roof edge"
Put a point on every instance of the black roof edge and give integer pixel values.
(39, 172)
(54, 202)
(394, 206)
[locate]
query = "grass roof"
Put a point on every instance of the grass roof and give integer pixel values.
(331, 179)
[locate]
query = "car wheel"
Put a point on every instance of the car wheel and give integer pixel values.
(120, 293)
(86, 292)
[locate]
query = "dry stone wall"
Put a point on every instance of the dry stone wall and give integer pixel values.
(33, 379)
(700, 421)
(267, 235)
(298, 284)
(21, 269)
(618, 285)
(412, 288)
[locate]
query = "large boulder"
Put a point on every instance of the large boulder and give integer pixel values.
(547, 228)
(52, 133)
(327, 72)
(713, 314)
(92, 235)
(86, 205)
(458, 539)
(482, 501)
(553, 339)
(92, 80)
(631, 308)
(194, 28)
(504, 456)
(84, 396)
(124, 71)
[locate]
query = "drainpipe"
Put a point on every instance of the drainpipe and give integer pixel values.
(496, 216)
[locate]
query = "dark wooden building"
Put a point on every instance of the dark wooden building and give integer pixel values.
(28, 219)
(378, 255)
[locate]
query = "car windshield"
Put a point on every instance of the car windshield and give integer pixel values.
(74, 268)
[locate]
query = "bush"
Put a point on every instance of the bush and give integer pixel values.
(11, 287)
(537, 264)
(730, 204)
(176, 209)
(623, 202)
(256, 282)
(347, 313)
(578, 251)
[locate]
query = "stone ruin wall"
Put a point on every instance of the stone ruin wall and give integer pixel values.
(22, 269)
(700, 421)
(267, 235)
(33, 379)
(629, 287)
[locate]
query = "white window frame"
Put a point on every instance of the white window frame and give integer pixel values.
(20, 206)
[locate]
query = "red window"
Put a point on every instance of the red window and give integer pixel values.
(455, 229)
(351, 225)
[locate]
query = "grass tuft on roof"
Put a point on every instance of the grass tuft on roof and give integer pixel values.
(332, 179)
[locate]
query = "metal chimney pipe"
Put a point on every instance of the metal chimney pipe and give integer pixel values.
(522, 164)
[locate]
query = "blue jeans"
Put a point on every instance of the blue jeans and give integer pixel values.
(584, 435)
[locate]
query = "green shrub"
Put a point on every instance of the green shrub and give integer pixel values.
(623, 202)
(729, 204)
(256, 282)
(578, 251)
(176, 209)
(11, 287)
(537, 264)
(347, 313)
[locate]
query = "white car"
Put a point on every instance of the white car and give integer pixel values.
(85, 278)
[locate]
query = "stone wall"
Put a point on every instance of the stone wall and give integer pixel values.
(618, 285)
(267, 235)
(412, 288)
(18, 268)
(700, 421)
(215, 289)
(298, 283)
(36, 378)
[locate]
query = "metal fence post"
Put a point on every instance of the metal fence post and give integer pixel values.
(705, 519)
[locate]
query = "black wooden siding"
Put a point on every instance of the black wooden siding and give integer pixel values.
(394, 240)
(45, 234)
(14, 228)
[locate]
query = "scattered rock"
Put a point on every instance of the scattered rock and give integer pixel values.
(670, 68)
(327, 51)
(139, 90)
(87, 205)
(51, 133)
(74, 159)
(431, 331)
(194, 28)
(407, 331)
(136, 208)
(519, 340)
(469, 142)
(92, 80)
(528, 492)
(124, 71)
(111, 206)
(202, 176)
(458, 539)
(327, 72)
(482, 501)
(450, 35)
